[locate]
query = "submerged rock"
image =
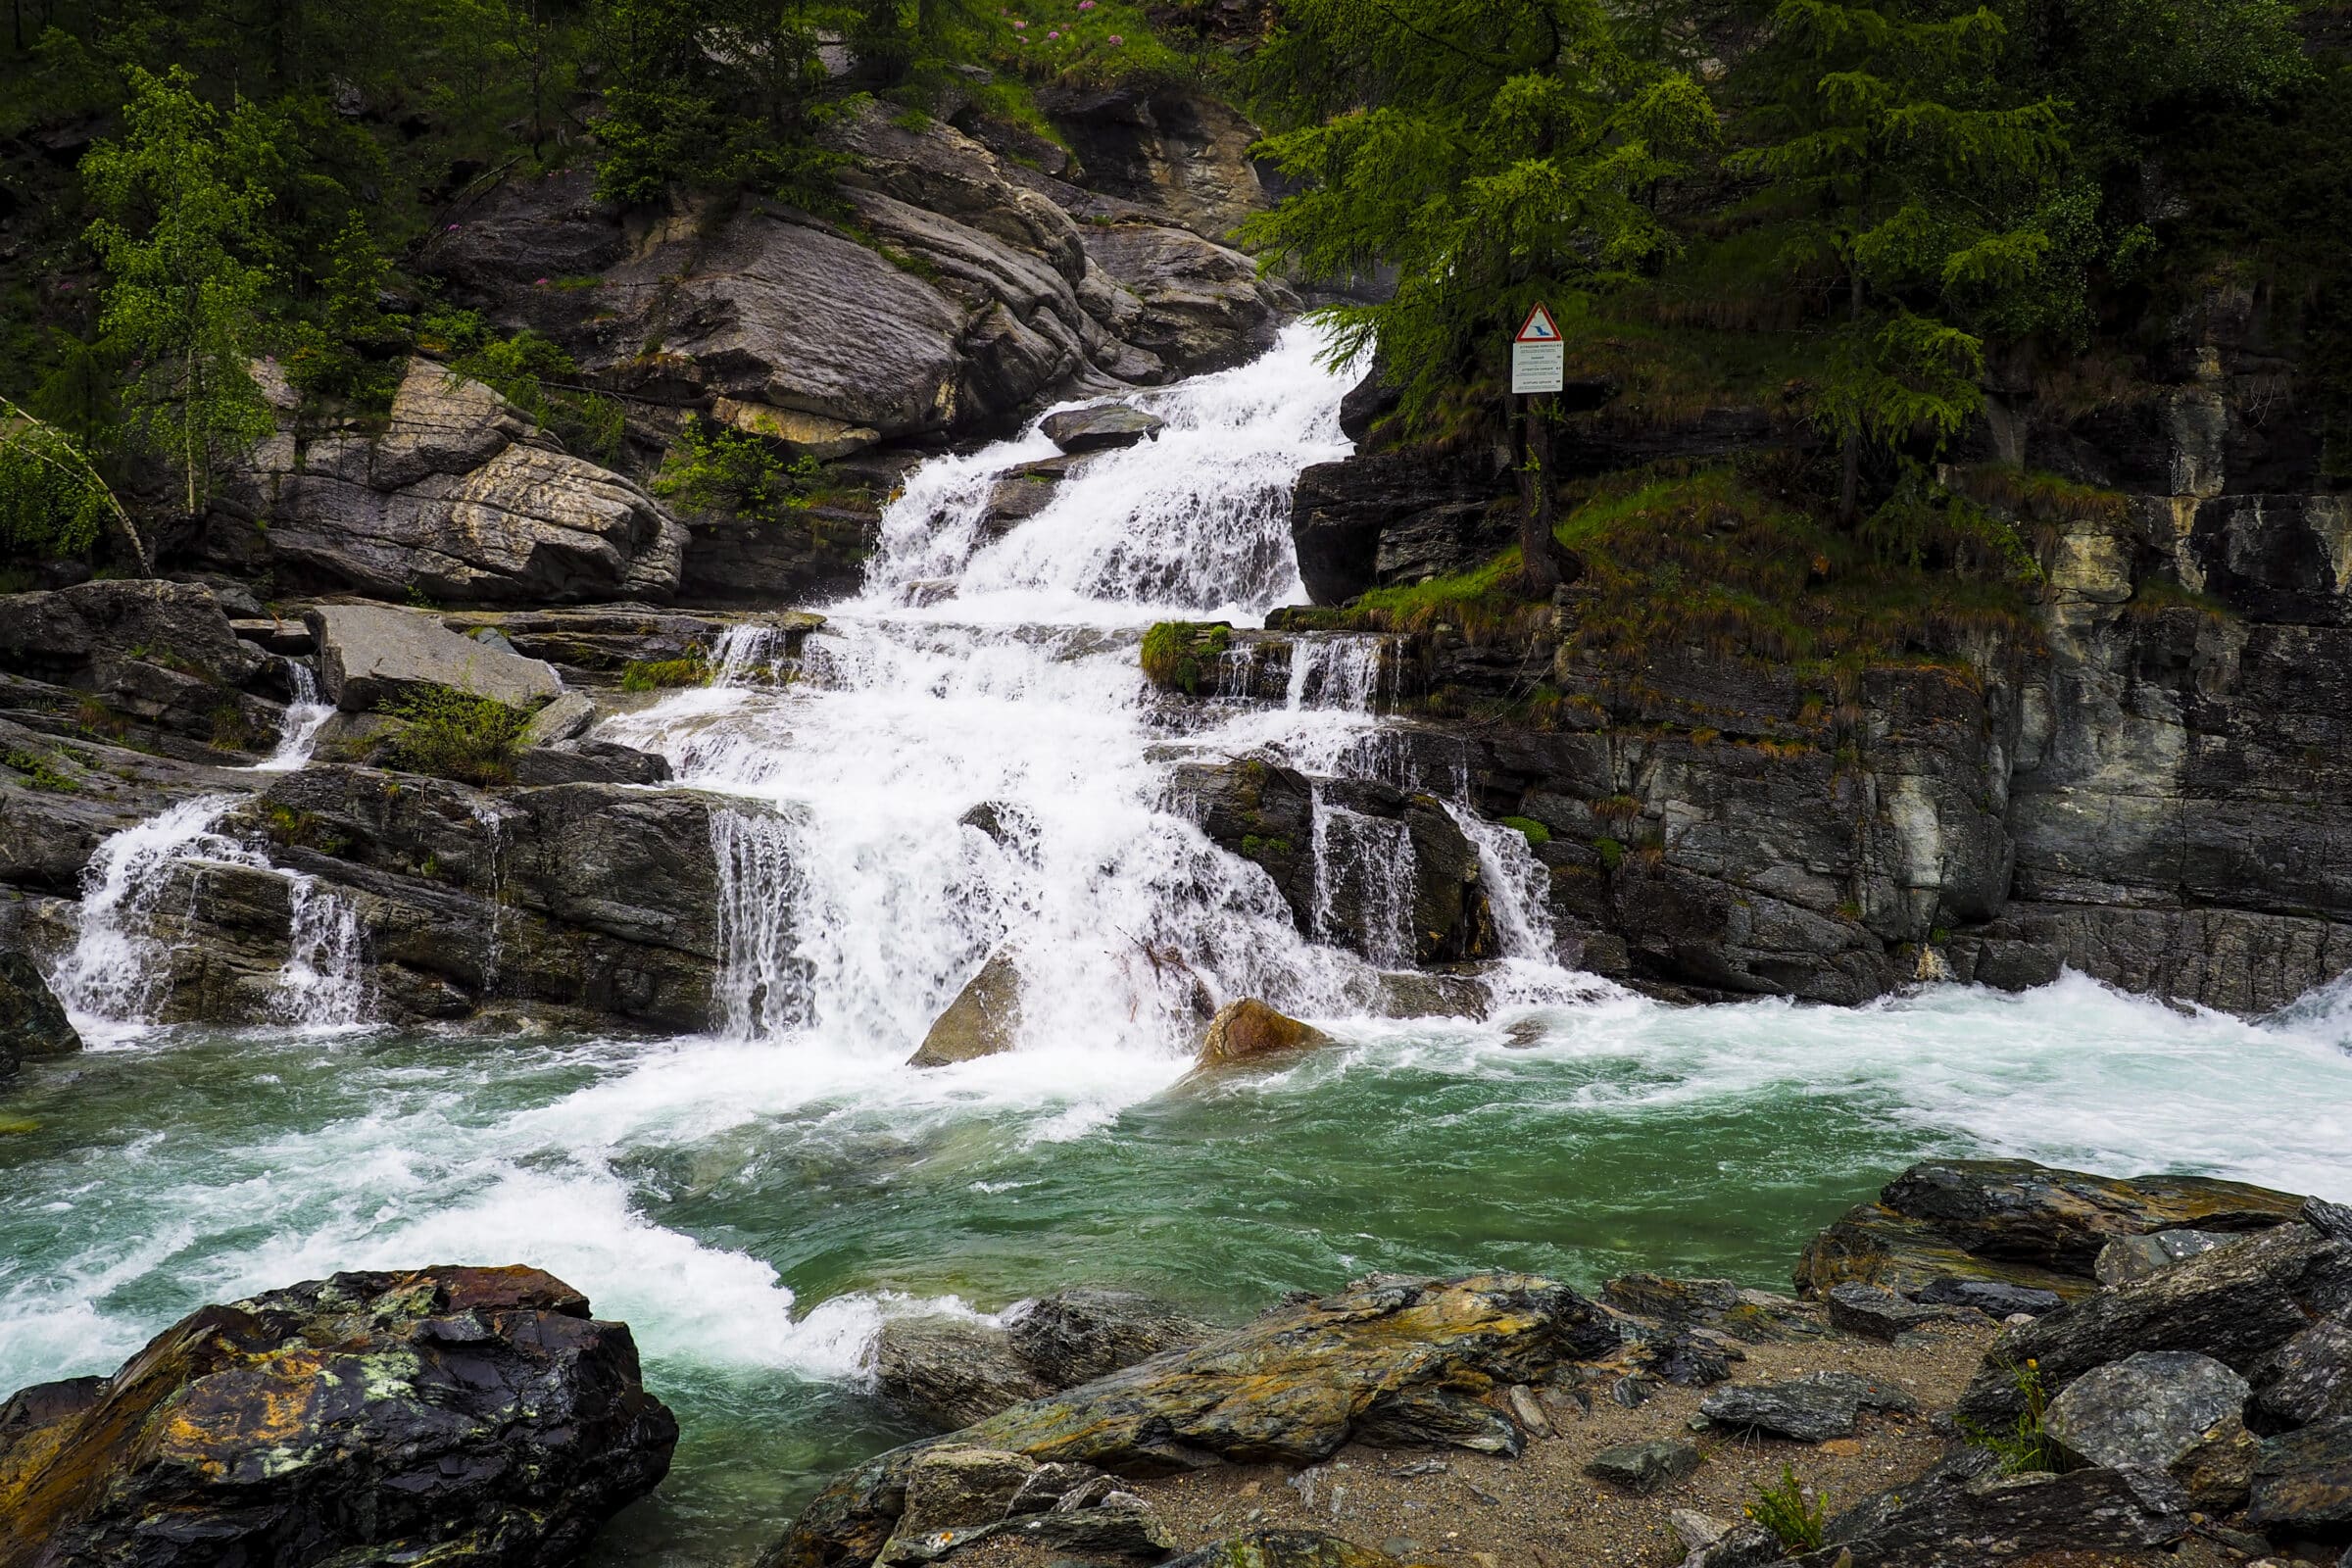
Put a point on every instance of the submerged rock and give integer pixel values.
(447, 1414)
(1389, 1363)
(984, 1019)
(1248, 1030)
(1084, 1333)
(32, 1023)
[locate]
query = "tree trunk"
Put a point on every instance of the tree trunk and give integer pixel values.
(1536, 558)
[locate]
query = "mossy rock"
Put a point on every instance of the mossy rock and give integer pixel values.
(1177, 653)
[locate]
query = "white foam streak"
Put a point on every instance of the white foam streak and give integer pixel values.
(304, 716)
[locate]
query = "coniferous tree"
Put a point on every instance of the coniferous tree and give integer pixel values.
(1901, 170)
(1494, 154)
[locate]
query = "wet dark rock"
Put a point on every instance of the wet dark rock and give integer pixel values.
(32, 1023)
(1265, 813)
(2147, 1411)
(2303, 1481)
(2331, 1220)
(1283, 1548)
(2135, 1258)
(948, 1372)
(110, 658)
(373, 655)
(1249, 1031)
(1747, 1544)
(984, 1019)
(2310, 1379)
(2014, 1222)
(1752, 1315)
(1689, 1360)
(1075, 1336)
(1812, 1408)
(1643, 1467)
(1100, 427)
(1388, 519)
(2238, 1303)
(1392, 1363)
(1991, 1298)
(1966, 1514)
(589, 763)
(1858, 1309)
(951, 1372)
(460, 1414)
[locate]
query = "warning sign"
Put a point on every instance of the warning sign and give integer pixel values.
(1539, 359)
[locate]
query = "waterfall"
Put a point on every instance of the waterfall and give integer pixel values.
(299, 730)
(763, 990)
(986, 770)
(325, 982)
(118, 960)
(1518, 886)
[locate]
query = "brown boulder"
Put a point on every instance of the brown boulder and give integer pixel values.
(984, 1019)
(1248, 1030)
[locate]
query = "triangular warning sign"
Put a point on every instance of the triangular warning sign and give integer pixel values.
(1538, 327)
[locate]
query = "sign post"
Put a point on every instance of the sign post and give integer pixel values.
(1539, 367)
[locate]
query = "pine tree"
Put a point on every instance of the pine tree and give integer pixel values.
(1493, 152)
(1904, 175)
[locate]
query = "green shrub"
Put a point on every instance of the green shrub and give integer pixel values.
(1176, 653)
(2025, 1446)
(716, 467)
(648, 675)
(1784, 1509)
(457, 735)
(1535, 832)
(1612, 853)
(41, 772)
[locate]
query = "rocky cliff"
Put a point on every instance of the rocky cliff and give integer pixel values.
(2143, 778)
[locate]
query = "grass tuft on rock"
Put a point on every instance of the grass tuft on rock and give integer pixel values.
(2027, 1446)
(455, 735)
(658, 674)
(1176, 653)
(1535, 832)
(1784, 1509)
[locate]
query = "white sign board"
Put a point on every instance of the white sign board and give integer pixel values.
(1539, 359)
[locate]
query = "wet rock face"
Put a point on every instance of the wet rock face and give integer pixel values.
(2019, 1225)
(1389, 1363)
(984, 1019)
(461, 497)
(1267, 813)
(468, 1415)
(1248, 1030)
(32, 1023)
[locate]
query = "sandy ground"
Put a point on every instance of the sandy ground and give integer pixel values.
(1541, 1510)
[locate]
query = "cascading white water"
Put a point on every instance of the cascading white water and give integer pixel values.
(297, 732)
(988, 771)
(111, 973)
(324, 984)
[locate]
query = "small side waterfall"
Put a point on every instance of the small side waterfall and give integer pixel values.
(325, 982)
(118, 960)
(1364, 882)
(306, 715)
(762, 983)
(1518, 887)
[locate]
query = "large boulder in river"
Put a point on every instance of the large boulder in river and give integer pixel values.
(31, 1021)
(1249, 1031)
(1390, 1362)
(984, 1019)
(461, 497)
(1100, 427)
(1398, 883)
(372, 655)
(451, 1415)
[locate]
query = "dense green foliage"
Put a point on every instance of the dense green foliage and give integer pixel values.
(715, 468)
(52, 502)
(455, 735)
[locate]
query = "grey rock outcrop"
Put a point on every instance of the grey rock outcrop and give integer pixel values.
(107, 659)
(372, 655)
(1100, 427)
(460, 496)
(951, 1372)
(2147, 1411)
(32, 1023)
